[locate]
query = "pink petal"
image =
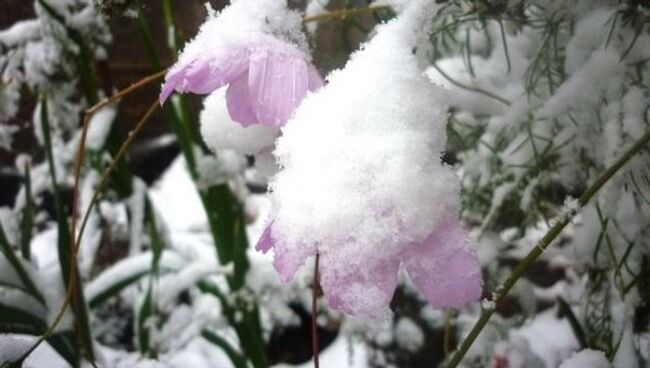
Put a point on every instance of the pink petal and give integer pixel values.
(200, 76)
(445, 267)
(172, 80)
(266, 240)
(288, 260)
(315, 80)
(277, 85)
(238, 102)
(361, 291)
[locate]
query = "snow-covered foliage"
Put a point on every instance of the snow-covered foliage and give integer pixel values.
(439, 154)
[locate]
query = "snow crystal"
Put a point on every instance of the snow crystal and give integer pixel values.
(408, 335)
(220, 132)
(587, 358)
(488, 304)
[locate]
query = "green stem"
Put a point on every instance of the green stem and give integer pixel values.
(531, 257)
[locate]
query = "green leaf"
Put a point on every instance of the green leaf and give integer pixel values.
(14, 320)
(27, 217)
(145, 312)
(237, 360)
(566, 311)
(148, 307)
(17, 265)
(114, 290)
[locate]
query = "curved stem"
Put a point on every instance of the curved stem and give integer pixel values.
(314, 313)
(128, 90)
(74, 243)
(531, 257)
(107, 173)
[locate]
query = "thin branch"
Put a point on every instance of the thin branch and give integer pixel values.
(343, 13)
(103, 181)
(107, 173)
(128, 90)
(471, 88)
(531, 257)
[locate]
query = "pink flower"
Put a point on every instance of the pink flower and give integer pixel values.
(264, 86)
(361, 182)
(258, 49)
(444, 267)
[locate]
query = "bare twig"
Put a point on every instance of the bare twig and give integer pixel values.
(343, 13)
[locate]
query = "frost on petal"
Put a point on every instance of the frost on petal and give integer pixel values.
(239, 103)
(288, 259)
(200, 76)
(361, 291)
(277, 85)
(266, 240)
(445, 267)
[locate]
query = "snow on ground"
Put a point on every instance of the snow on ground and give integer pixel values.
(13, 346)
(343, 353)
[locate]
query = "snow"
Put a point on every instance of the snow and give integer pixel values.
(408, 335)
(136, 203)
(13, 346)
(20, 33)
(99, 126)
(588, 78)
(173, 285)
(341, 353)
(6, 134)
(127, 268)
(550, 338)
(246, 25)
(360, 167)
(587, 358)
(217, 169)
(361, 170)
(220, 132)
(180, 212)
(590, 33)
(92, 233)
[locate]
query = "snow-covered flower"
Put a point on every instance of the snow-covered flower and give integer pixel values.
(362, 183)
(257, 48)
